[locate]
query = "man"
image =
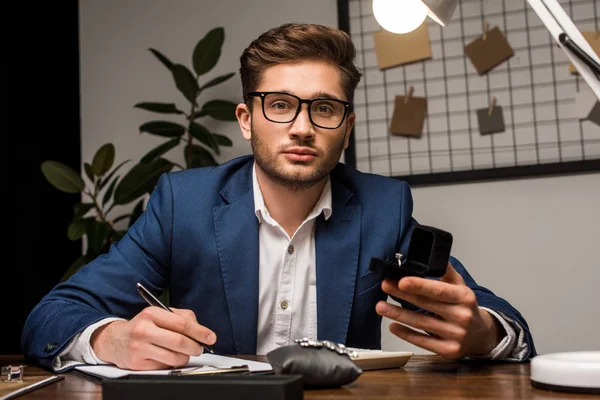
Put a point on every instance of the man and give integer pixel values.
(272, 247)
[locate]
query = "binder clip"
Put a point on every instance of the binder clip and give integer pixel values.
(428, 254)
(12, 373)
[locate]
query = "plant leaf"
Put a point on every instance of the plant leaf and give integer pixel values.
(204, 136)
(222, 110)
(222, 140)
(141, 179)
(165, 108)
(137, 211)
(109, 191)
(62, 177)
(103, 159)
(111, 174)
(80, 209)
(217, 80)
(199, 156)
(160, 150)
(97, 232)
(208, 51)
(185, 82)
(88, 171)
(76, 229)
(163, 128)
(163, 59)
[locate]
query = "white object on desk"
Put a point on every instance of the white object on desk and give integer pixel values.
(577, 371)
(368, 359)
(208, 360)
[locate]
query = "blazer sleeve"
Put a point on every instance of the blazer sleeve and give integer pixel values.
(485, 297)
(105, 287)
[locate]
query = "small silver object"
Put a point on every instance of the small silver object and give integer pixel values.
(12, 373)
(399, 258)
(337, 347)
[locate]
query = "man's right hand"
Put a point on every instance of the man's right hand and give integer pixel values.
(153, 339)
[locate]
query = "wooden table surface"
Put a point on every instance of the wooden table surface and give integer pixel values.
(423, 377)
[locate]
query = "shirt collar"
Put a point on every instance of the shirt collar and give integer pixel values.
(261, 212)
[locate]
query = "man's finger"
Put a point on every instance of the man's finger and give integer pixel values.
(174, 341)
(420, 339)
(166, 356)
(421, 321)
(442, 309)
(178, 323)
(451, 276)
(440, 291)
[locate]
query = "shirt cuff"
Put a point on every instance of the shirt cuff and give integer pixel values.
(79, 351)
(513, 346)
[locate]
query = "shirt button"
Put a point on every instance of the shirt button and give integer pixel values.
(284, 304)
(291, 249)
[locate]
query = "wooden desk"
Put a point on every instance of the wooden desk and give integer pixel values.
(423, 377)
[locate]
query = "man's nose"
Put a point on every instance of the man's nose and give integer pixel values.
(301, 126)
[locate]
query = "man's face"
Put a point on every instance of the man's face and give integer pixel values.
(296, 154)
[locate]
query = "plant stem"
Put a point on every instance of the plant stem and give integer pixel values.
(96, 205)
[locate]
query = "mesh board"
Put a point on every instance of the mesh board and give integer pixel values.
(534, 88)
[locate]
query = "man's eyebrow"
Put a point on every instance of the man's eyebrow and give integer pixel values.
(315, 95)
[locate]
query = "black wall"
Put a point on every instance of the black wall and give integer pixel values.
(40, 120)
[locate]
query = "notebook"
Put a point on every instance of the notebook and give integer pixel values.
(208, 361)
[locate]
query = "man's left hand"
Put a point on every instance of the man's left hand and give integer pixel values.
(459, 327)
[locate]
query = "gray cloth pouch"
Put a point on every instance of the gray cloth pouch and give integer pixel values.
(322, 364)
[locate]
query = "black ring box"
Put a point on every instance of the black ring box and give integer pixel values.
(428, 255)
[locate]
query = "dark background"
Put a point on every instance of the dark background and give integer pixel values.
(40, 121)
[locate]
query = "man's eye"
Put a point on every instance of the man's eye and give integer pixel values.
(280, 105)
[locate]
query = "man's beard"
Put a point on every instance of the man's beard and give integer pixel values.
(296, 180)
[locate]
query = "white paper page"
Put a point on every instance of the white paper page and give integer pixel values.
(209, 360)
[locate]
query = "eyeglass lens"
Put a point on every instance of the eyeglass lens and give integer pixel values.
(327, 113)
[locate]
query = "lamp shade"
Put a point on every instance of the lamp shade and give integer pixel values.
(441, 11)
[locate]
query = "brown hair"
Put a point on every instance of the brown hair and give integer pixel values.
(294, 42)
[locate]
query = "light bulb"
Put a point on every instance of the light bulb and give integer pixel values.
(399, 16)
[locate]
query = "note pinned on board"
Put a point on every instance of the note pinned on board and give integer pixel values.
(489, 50)
(491, 119)
(394, 49)
(409, 115)
(593, 38)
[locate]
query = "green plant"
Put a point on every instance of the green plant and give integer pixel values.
(92, 218)
(104, 190)
(205, 56)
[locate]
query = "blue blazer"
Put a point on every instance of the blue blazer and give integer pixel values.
(199, 238)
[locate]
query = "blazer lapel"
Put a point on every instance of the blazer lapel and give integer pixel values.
(236, 231)
(337, 242)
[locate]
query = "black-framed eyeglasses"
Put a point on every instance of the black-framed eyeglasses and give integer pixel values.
(283, 108)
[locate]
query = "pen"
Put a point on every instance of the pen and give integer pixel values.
(153, 301)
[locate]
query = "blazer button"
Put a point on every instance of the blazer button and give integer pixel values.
(50, 347)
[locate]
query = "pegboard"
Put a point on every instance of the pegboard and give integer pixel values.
(534, 87)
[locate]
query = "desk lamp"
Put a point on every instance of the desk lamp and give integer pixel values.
(407, 15)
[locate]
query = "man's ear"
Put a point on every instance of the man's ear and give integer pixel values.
(349, 125)
(244, 117)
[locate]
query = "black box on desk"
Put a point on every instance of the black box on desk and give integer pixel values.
(240, 387)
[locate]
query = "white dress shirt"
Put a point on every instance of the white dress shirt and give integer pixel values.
(288, 291)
